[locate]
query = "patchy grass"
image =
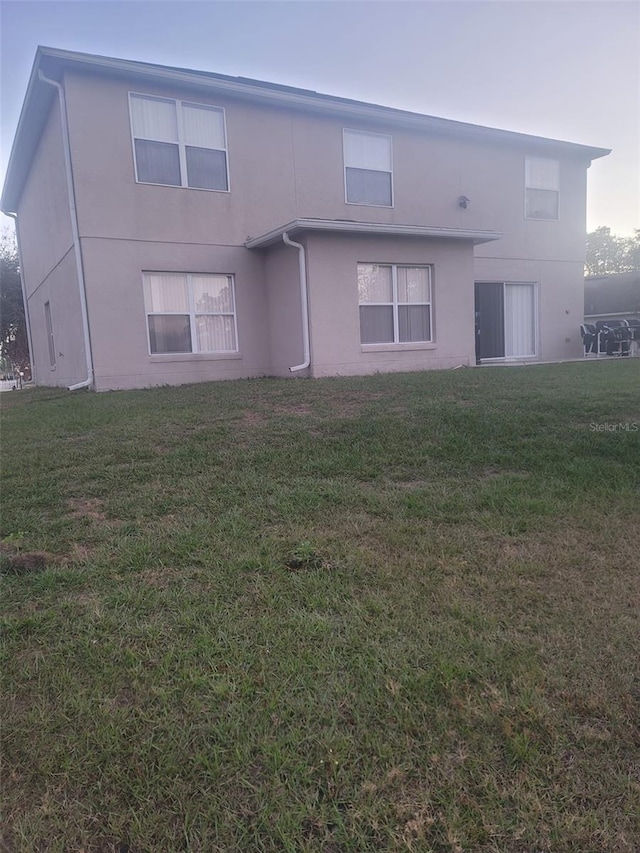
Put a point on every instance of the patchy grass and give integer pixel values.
(397, 613)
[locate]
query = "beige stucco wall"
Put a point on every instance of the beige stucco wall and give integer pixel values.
(560, 300)
(430, 174)
(115, 299)
(334, 311)
(49, 265)
(43, 212)
(285, 318)
(286, 164)
(60, 289)
(262, 185)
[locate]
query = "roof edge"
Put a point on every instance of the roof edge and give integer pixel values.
(344, 226)
(261, 89)
(37, 101)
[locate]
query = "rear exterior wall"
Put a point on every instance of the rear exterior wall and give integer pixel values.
(288, 163)
(49, 271)
(334, 310)
(559, 300)
(284, 164)
(115, 300)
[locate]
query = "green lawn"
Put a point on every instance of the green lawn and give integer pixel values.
(379, 614)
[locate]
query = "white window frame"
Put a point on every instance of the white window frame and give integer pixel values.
(395, 305)
(527, 187)
(179, 104)
(192, 315)
(344, 166)
(48, 321)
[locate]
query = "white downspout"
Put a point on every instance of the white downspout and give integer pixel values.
(86, 383)
(25, 301)
(304, 303)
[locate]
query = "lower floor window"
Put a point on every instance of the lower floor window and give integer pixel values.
(395, 303)
(190, 313)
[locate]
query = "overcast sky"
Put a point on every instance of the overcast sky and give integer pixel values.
(568, 70)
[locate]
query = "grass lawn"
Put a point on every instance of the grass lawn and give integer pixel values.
(396, 613)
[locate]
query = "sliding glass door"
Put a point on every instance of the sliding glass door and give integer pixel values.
(505, 319)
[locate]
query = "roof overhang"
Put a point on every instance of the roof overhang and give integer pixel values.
(54, 63)
(342, 226)
(33, 117)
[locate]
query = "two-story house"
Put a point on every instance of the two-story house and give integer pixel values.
(181, 226)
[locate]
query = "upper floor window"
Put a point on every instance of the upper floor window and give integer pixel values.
(190, 313)
(542, 188)
(368, 168)
(395, 303)
(179, 144)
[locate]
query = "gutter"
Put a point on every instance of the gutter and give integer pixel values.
(305, 98)
(304, 303)
(25, 301)
(88, 382)
(380, 228)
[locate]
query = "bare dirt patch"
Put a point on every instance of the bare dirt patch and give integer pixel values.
(26, 562)
(92, 508)
(352, 405)
(89, 600)
(31, 657)
(491, 473)
(253, 419)
(300, 410)
(159, 578)
(409, 485)
(80, 553)
(79, 437)
(124, 698)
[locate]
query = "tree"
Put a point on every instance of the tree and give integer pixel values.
(633, 251)
(14, 346)
(607, 253)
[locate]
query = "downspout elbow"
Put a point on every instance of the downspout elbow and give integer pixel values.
(304, 303)
(87, 383)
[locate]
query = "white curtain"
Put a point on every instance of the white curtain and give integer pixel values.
(152, 118)
(216, 333)
(413, 285)
(542, 174)
(367, 151)
(166, 294)
(375, 283)
(212, 294)
(519, 316)
(203, 128)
